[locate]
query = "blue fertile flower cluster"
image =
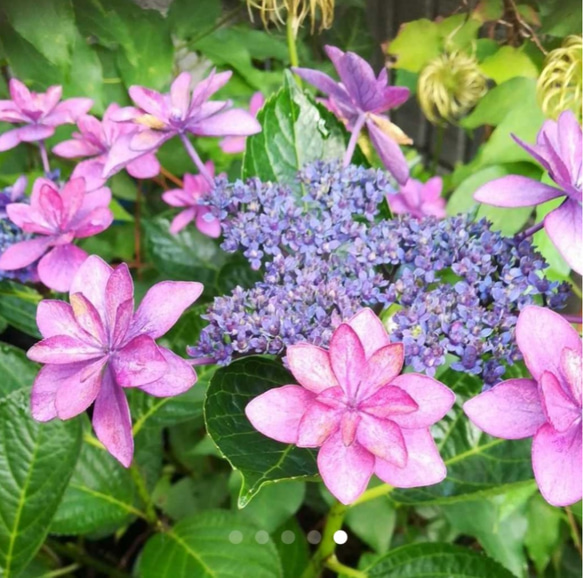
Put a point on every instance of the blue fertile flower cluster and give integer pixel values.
(447, 287)
(10, 233)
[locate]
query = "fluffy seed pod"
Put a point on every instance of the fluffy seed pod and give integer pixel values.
(559, 86)
(449, 86)
(278, 11)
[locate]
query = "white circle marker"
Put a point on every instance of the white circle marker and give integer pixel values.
(262, 537)
(314, 537)
(340, 537)
(236, 537)
(288, 537)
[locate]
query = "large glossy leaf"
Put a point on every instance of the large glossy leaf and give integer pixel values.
(212, 544)
(187, 256)
(36, 462)
(48, 25)
(478, 465)
(259, 459)
(295, 131)
(99, 498)
(423, 560)
(18, 306)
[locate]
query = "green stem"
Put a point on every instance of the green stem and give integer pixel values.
(291, 44)
(376, 492)
(333, 564)
(140, 483)
(62, 571)
(327, 547)
(575, 534)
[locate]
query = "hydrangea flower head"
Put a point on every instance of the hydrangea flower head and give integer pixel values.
(558, 149)
(159, 117)
(95, 139)
(353, 404)
(361, 99)
(39, 112)
(188, 198)
(236, 144)
(57, 216)
(419, 199)
(97, 345)
(547, 407)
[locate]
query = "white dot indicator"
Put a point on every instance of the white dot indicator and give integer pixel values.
(314, 537)
(288, 537)
(340, 537)
(262, 537)
(236, 537)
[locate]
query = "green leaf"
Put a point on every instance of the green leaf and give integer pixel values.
(508, 62)
(499, 524)
(259, 459)
(478, 465)
(86, 75)
(416, 44)
(26, 62)
(561, 17)
(100, 496)
(16, 370)
(36, 462)
(100, 20)
(213, 544)
(18, 305)
(374, 523)
(294, 555)
(187, 256)
(188, 19)
(542, 532)
(508, 221)
(274, 505)
(499, 102)
(48, 25)
(423, 560)
(295, 131)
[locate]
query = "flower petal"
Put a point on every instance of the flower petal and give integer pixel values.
(87, 317)
(516, 191)
(24, 253)
(277, 413)
(424, 464)
(157, 314)
(390, 153)
(9, 139)
(433, 398)
(149, 100)
(207, 224)
(58, 267)
(381, 368)
(572, 366)
(347, 358)
(389, 401)
(370, 330)
(556, 461)
(91, 280)
(72, 195)
(510, 410)
(542, 335)
(35, 132)
(112, 421)
(76, 393)
(118, 290)
(68, 111)
(74, 148)
(317, 425)
(564, 226)
(56, 318)
(63, 349)
(345, 470)
(559, 407)
(233, 122)
(144, 167)
(178, 377)
(181, 220)
(180, 93)
(44, 389)
(138, 363)
(310, 365)
(383, 438)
